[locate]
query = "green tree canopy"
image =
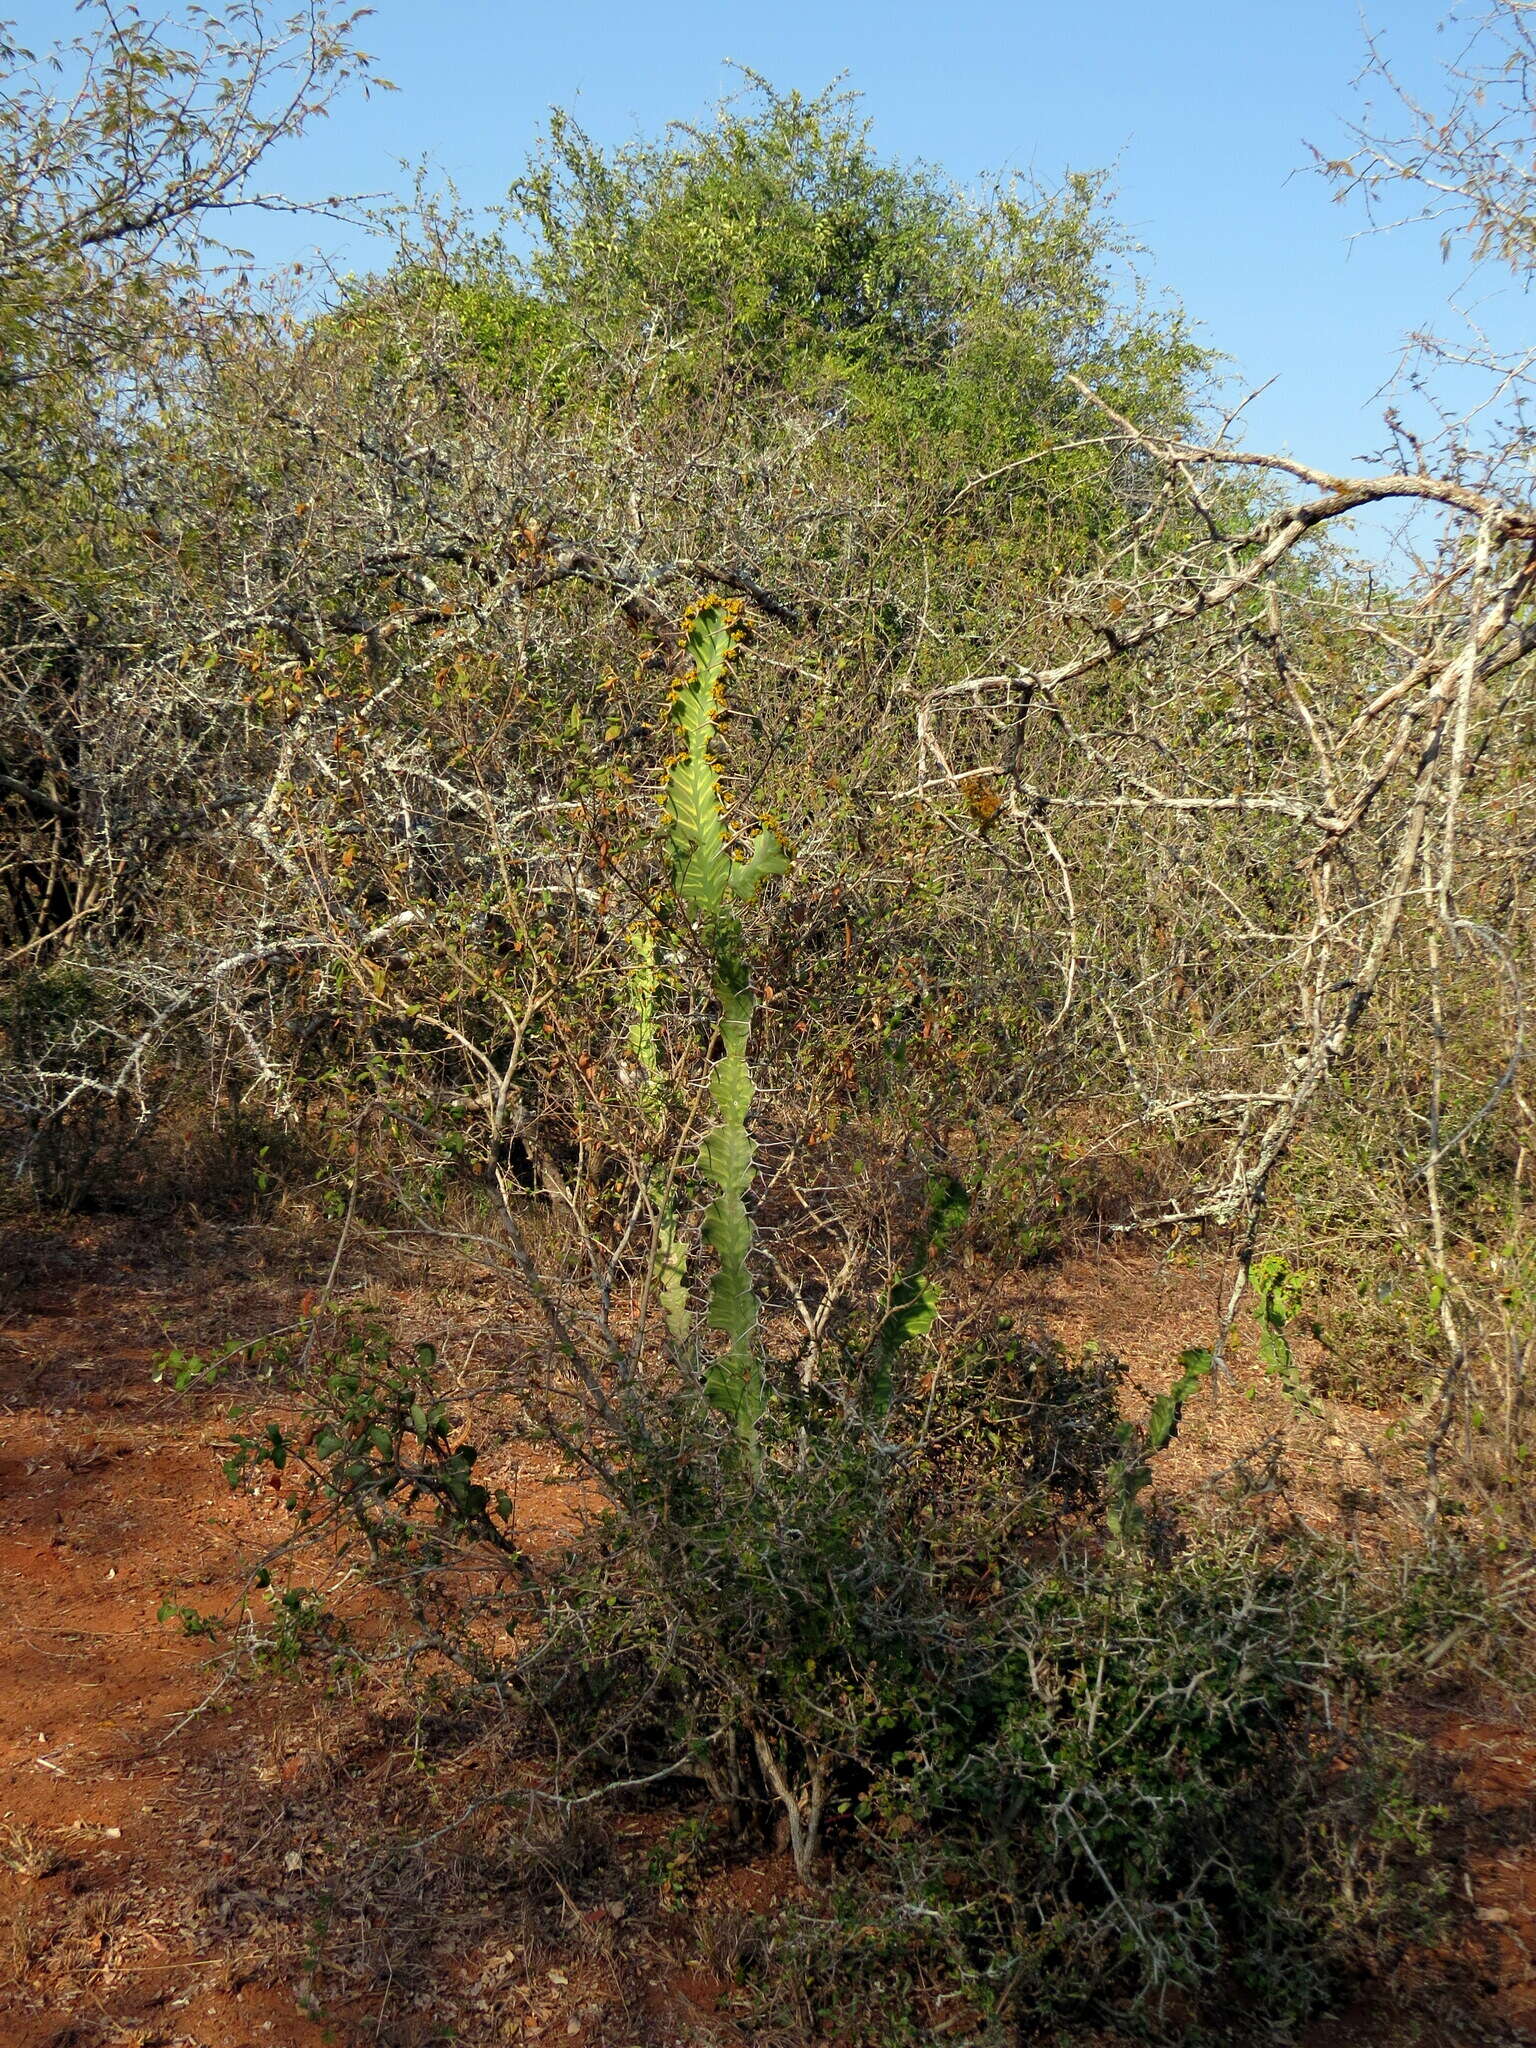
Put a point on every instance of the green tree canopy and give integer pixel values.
(772, 249)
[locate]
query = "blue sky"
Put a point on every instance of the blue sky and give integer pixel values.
(1202, 109)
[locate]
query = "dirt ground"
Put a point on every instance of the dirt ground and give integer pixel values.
(179, 1850)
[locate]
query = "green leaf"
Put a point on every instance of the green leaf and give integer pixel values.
(1133, 1472)
(913, 1306)
(766, 858)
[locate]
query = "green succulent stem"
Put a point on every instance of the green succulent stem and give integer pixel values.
(711, 878)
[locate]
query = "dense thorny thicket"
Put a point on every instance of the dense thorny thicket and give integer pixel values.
(1054, 830)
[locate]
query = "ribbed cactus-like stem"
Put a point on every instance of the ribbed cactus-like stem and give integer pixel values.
(711, 879)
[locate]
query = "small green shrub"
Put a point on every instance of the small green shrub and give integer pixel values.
(1150, 1793)
(1036, 1775)
(1049, 1780)
(369, 1443)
